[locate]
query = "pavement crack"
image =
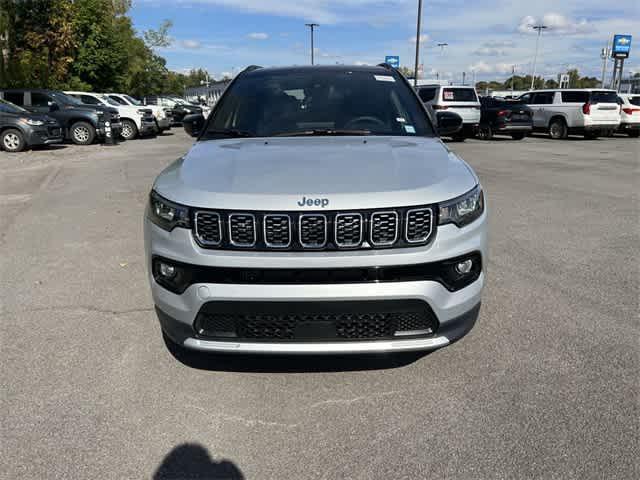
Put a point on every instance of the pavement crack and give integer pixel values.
(349, 401)
(247, 422)
(78, 308)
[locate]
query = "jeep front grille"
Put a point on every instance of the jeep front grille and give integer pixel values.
(363, 229)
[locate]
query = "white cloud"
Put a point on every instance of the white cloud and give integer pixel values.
(258, 36)
(556, 23)
(490, 52)
(423, 38)
(499, 44)
(191, 44)
(483, 67)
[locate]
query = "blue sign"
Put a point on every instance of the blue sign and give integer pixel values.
(392, 60)
(621, 46)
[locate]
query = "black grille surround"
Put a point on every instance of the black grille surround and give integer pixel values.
(315, 321)
(401, 227)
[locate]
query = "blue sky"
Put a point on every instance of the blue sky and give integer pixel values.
(484, 36)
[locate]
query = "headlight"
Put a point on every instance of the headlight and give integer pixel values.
(166, 214)
(463, 210)
(32, 122)
(142, 112)
(100, 112)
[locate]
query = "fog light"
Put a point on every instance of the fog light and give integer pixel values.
(167, 271)
(464, 267)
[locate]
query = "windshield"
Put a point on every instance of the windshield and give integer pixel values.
(133, 100)
(459, 95)
(324, 102)
(9, 107)
(604, 97)
(109, 100)
(65, 99)
(634, 101)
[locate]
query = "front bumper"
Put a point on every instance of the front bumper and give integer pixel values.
(514, 128)
(625, 127)
(44, 136)
(147, 127)
(456, 311)
(164, 123)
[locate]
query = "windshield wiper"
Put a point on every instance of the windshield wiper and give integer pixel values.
(322, 132)
(229, 132)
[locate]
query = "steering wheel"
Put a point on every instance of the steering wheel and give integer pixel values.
(372, 120)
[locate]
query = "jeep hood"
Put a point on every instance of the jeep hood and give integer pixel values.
(350, 172)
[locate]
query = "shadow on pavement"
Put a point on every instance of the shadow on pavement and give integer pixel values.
(290, 363)
(192, 461)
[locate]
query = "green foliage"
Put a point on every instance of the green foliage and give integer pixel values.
(524, 82)
(84, 45)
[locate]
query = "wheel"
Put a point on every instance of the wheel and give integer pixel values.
(634, 133)
(82, 133)
(591, 135)
(129, 130)
(12, 140)
(518, 136)
(485, 132)
(558, 129)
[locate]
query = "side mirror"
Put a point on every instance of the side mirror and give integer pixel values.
(449, 123)
(53, 107)
(193, 124)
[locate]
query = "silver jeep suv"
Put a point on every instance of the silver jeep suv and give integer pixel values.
(318, 212)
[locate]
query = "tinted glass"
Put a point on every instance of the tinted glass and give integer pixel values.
(64, 99)
(604, 97)
(118, 100)
(16, 98)
(10, 107)
(427, 94)
(575, 97)
(526, 98)
(543, 98)
(110, 101)
(634, 100)
(459, 95)
(276, 103)
(133, 100)
(89, 100)
(40, 99)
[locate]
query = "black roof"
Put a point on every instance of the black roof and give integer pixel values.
(259, 71)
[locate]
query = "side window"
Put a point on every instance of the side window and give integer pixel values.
(89, 100)
(40, 99)
(15, 97)
(117, 99)
(543, 98)
(526, 98)
(575, 97)
(427, 94)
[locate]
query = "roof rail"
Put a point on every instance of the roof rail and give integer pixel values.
(251, 68)
(386, 66)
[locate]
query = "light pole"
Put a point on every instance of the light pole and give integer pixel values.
(604, 55)
(312, 26)
(513, 78)
(539, 28)
(415, 69)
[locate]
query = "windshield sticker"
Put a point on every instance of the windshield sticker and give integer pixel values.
(448, 95)
(409, 129)
(384, 78)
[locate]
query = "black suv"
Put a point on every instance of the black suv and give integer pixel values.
(81, 123)
(504, 117)
(20, 129)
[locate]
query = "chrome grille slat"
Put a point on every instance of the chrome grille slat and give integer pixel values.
(277, 230)
(312, 230)
(242, 229)
(418, 224)
(208, 228)
(383, 227)
(348, 229)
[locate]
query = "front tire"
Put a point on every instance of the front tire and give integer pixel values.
(82, 133)
(485, 132)
(129, 130)
(12, 140)
(558, 130)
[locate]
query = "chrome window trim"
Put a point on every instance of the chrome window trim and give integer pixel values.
(395, 238)
(244, 245)
(406, 224)
(198, 237)
(335, 229)
(264, 229)
(300, 230)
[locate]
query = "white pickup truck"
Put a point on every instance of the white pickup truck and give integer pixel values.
(162, 118)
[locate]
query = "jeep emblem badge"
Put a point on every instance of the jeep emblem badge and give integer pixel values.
(313, 202)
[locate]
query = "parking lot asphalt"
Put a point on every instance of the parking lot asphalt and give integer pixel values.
(546, 385)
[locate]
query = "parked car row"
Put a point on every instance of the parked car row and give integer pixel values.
(32, 117)
(558, 112)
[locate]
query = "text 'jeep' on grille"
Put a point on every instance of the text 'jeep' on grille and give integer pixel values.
(318, 212)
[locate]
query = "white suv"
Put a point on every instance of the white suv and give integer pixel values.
(457, 99)
(162, 118)
(588, 112)
(136, 122)
(630, 114)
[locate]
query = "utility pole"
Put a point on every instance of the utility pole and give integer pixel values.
(312, 26)
(415, 69)
(604, 55)
(539, 28)
(513, 78)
